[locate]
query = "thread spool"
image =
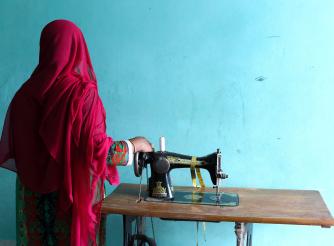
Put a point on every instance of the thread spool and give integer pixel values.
(162, 144)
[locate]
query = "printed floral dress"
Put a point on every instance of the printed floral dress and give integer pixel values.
(37, 220)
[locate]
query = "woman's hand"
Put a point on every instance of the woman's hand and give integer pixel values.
(141, 144)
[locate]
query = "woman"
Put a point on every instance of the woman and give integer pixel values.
(54, 137)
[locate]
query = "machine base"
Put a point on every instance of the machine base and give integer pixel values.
(201, 198)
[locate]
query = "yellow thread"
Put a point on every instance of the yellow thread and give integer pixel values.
(193, 176)
(193, 161)
(199, 176)
(192, 171)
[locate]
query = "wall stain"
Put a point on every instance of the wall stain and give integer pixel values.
(243, 115)
(260, 78)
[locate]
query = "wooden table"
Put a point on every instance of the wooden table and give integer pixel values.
(295, 207)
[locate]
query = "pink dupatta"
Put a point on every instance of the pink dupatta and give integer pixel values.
(54, 134)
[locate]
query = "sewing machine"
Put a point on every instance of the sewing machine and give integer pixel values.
(160, 187)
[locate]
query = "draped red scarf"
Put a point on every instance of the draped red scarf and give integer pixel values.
(54, 134)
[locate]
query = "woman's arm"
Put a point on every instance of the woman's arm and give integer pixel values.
(121, 152)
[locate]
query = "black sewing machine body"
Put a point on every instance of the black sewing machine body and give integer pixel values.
(162, 162)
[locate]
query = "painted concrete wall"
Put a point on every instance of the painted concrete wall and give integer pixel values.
(254, 78)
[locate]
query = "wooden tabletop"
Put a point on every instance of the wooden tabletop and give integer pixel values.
(298, 207)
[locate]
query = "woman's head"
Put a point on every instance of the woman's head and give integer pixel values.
(63, 53)
(62, 44)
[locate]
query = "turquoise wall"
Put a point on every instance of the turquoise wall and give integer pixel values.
(254, 78)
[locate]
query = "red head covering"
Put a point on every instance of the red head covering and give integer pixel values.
(55, 129)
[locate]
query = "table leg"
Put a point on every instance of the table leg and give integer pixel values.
(240, 231)
(127, 228)
(244, 233)
(140, 225)
(249, 234)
